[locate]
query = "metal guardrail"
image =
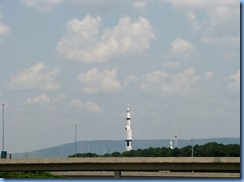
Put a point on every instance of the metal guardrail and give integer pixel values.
(118, 164)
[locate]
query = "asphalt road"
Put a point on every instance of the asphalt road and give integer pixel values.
(161, 174)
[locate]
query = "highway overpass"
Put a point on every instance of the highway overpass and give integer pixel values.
(118, 164)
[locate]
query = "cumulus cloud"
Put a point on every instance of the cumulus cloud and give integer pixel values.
(130, 79)
(171, 64)
(180, 51)
(140, 5)
(234, 81)
(4, 29)
(88, 105)
(189, 4)
(181, 47)
(229, 40)
(95, 81)
(208, 75)
(219, 21)
(36, 77)
(165, 83)
(192, 20)
(42, 99)
(42, 5)
(85, 41)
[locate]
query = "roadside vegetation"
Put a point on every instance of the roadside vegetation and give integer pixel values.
(34, 175)
(211, 149)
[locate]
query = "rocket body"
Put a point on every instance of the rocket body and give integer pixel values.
(128, 129)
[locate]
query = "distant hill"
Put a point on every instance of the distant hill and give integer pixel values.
(109, 146)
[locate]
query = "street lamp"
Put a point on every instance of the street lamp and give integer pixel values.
(75, 140)
(3, 129)
(3, 153)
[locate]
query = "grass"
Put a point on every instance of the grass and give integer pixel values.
(34, 175)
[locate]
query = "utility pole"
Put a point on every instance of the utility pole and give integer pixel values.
(75, 140)
(3, 153)
(191, 147)
(3, 129)
(176, 142)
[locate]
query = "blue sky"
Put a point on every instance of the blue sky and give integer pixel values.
(79, 62)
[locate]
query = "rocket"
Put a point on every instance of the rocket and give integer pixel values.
(128, 129)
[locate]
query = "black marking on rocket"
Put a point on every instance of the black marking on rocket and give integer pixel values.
(128, 143)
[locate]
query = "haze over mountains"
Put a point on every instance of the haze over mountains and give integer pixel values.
(110, 146)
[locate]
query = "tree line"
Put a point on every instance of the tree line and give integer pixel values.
(211, 149)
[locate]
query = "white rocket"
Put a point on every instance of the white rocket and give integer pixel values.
(128, 129)
(171, 144)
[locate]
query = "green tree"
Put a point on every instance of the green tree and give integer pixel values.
(176, 152)
(211, 149)
(186, 151)
(116, 154)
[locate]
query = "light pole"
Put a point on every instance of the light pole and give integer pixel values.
(192, 148)
(176, 141)
(75, 140)
(3, 128)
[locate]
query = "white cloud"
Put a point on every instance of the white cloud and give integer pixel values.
(234, 81)
(95, 81)
(42, 5)
(4, 29)
(219, 22)
(88, 105)
(181, 51)
(42, 99)
(165, 83)
(156, 76)
(208, 75)
(229, 40)
(141, 5)
(192, 20)
(231, 55)
(86, 42)
(36, 77)
(171, 64)
(181, 46)
(59, 98)
(204, 5)
(130, 79)
(189, 4)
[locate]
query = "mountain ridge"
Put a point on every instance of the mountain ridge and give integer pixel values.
(110, 146)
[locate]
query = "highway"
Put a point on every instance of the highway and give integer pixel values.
(159, 174)
(122, 165)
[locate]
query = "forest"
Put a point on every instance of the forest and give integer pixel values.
(211, 149)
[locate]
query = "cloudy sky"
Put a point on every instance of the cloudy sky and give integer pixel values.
(79, 62)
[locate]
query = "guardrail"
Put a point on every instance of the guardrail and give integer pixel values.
(118, 164)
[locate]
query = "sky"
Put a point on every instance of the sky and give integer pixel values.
(80, 62)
